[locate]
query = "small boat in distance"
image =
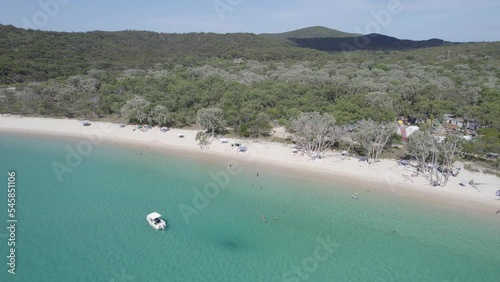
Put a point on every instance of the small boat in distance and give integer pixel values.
(155, 220)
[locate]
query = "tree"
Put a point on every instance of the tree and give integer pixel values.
(135, 109)
(487, 141)
(260, 124)
(435, 157)
(379, 100)
(211, 119)
(203, 139)
(243, 130)
(373, 137)
(315, 132)
(420, 145)
(448, 150)
(159, 115)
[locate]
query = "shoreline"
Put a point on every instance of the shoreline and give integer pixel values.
(386, 176)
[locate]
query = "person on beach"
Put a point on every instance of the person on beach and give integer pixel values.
(257, 174)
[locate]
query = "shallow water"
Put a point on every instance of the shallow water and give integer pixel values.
(92, 226)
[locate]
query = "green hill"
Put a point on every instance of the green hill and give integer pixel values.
(366, 42)
(311, 32)
(31, 55)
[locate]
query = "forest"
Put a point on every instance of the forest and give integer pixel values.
(256, 80)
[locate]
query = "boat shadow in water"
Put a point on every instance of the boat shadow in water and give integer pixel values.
(229, 245)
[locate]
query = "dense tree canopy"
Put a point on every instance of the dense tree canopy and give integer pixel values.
(211, 119)
(136, 109)
(254, 80)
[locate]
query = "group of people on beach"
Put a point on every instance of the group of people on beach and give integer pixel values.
(497, 212)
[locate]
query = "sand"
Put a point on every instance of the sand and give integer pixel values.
(385, 175)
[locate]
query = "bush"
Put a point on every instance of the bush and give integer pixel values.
(472, 167)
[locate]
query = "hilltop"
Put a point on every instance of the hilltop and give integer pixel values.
(312, 32)
(33, 55)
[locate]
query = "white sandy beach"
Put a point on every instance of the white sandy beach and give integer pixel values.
(386, 175)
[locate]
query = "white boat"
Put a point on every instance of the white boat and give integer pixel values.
(155, 220)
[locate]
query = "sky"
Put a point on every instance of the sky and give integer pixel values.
(452, 20)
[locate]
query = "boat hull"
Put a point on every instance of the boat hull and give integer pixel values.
(155, 220)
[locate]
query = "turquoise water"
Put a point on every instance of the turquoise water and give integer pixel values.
(92, 226)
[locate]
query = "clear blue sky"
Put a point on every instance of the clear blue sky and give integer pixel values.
(454, 20)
